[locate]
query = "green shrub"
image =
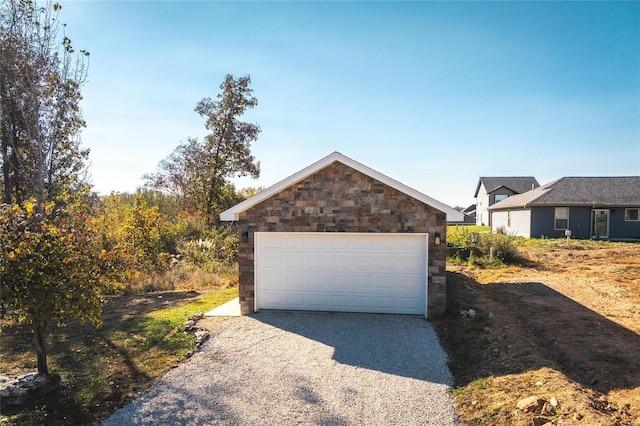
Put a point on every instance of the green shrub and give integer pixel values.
(475, 244)
(504, 248)
(220, 246)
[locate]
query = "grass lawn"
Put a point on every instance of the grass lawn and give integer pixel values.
(104, 369)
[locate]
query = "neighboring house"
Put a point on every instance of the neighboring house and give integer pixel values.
(589, 207)
(339, 236)
(491, 190)
(470, 212)
(469, 216)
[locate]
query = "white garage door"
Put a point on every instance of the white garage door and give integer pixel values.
(381, 273)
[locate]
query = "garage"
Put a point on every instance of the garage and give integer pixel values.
(347, 272)
(341, 236)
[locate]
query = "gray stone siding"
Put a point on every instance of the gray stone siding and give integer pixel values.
(341, 199)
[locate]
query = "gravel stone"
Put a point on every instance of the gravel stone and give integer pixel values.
(306, 368)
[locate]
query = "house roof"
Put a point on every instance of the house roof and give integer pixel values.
(517, 184)
(579, 191)
(233, 213)
(469, 210)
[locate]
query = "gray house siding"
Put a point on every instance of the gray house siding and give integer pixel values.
(543, 222)
(621, 228)
(499, 191)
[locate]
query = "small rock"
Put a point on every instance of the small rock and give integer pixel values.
(541, 421)
(487, 330)
(554, 402)
(548, 410)
(201, 335)
(24, 389)
(531, 404)
(469, 313)
(188, 326)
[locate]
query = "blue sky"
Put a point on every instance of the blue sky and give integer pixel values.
(433, 94)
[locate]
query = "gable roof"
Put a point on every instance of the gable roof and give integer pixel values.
(469, 210)
(517, 184)
(579, 191)
(233, 213)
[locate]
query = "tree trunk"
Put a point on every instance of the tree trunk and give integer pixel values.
(41, 352)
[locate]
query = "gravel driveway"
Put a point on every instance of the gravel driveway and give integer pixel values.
(306, 368)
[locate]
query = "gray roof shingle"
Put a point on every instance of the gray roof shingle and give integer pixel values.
(517, 184)
(579, 191)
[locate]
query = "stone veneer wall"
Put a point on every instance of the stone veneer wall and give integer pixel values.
(341, 199)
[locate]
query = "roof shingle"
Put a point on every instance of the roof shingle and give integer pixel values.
(517, 184)
(579, 191)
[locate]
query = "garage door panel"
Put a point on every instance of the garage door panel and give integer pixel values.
(360, 281)
(317, 261)
(339, 261)
(383, 273)
(361, 245)
(340, 244)
(291, 260)
(386, 263)
(281, 281)
(386, 244)
(317, 243)
(361, 261)
(402, 283)
(273, 243)
(411, 262)
(411, 245)
(272, 261)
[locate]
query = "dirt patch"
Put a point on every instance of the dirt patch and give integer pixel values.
(100, 369)
(566, 326)
(122, 308)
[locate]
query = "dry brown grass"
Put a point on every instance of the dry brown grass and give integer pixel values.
(186, 278)
(567, 324)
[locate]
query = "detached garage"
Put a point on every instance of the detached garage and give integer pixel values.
(339, 236)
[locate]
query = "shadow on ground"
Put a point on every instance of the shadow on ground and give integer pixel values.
(520, 327)
(402, 345)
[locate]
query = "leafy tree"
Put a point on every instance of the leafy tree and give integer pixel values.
(248, 192)
(50, 257)
(138, 237)
(40, 120)
(51, 264)
(198, 171)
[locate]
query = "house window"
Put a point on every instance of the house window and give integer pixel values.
(501, 197)
(562, 218)
(632, 215)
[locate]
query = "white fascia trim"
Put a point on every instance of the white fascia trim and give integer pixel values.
(233, 213)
